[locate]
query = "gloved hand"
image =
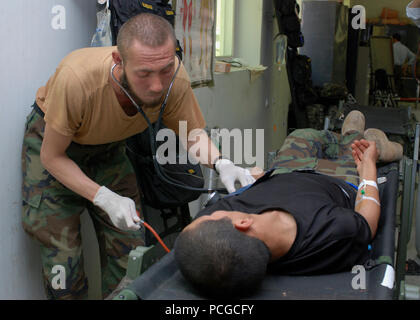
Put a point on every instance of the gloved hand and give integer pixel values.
(121, 210)
(229, 173)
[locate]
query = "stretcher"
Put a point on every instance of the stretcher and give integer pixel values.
(381, 277)
(373, 280)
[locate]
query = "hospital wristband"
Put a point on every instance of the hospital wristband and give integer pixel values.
(365, 183)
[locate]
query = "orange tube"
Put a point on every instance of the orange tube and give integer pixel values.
(155, 234)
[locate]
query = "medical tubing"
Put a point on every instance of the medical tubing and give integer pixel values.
(156, 236)
(154, 233)
(162, 175)
(362, 188)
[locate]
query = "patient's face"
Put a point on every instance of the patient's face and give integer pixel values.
(217, 215)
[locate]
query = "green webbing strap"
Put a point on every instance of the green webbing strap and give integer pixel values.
(371, 263)
(126, 294)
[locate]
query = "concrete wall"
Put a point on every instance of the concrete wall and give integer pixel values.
(31, 50)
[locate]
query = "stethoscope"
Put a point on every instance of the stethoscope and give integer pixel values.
(158, 168)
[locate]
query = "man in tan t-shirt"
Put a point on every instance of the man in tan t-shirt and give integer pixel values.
(73, 155)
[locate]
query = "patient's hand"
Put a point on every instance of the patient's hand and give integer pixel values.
(363, 150)
(256, 172)
(365, 154)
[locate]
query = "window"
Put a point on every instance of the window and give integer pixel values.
(248, 38)
(224, 27)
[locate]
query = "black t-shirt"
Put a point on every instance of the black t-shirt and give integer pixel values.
(331, 236)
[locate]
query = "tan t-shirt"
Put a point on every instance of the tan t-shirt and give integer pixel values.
(78, 101)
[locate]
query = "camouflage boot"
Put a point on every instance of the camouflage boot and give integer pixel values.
(388, 151)
(354, 122)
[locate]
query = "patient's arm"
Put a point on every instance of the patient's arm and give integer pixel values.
(256, 172)
(365, 156)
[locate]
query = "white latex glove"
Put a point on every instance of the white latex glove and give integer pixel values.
(229, 173)
(121, 210)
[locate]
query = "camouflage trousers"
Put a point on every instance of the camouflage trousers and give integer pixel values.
(323, 151)
(51, 214)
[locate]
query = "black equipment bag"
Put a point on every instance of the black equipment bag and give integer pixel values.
(122, 10)
(306, 95)
(286, 7)
(157, 193)
(295, 40)
(289, 23)
(292, 29)
(301, 69)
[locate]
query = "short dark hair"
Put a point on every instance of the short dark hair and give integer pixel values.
(149, 29)
(397, 36)
(221, 261)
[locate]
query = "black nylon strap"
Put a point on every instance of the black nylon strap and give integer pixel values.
(38, 110)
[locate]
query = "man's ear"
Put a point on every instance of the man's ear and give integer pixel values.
(243, 224)
(116, 56)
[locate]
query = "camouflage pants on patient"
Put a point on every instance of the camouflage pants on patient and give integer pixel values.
(323, 151)
(51, 213)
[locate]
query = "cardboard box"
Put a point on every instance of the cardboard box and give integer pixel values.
(222, 67)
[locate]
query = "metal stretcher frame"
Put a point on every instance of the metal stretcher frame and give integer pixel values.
(410, 171)
(398, 122)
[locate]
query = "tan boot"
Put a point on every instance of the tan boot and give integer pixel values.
(388, 151)
(354, 122)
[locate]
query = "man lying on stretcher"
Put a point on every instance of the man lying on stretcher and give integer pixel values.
(306, 217)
